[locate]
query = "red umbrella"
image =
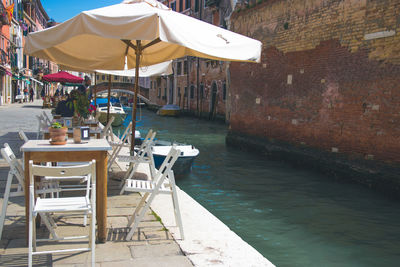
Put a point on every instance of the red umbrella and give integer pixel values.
(62, 77)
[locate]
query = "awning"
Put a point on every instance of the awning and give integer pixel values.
(62, 77)
(22, 78)
(6, 70)
(39, 82)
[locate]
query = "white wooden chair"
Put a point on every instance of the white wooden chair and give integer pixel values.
(124, 141)
(42, 125)
(17, 189)
(162, 183)
(46, 118)
(52, 180)
(44, 207)
(96, 118)
(107, 130)
(23, 136)
(143, 155)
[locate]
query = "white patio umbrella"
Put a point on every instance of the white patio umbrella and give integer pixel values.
(164, 68)
(102, 38)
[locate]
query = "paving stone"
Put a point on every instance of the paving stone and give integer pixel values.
(120, 211)
(152, 235)
(16, 246)
(117, 222)
(74, 265)
(119, 235)
(3, 245)
(159, 250)
(69, 258)
(126, 263)
(180, 261)
(112, 251)
(21, 260)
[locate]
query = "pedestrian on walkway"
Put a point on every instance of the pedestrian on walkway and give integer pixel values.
(31, 93)
(42, 93)
(26, 95)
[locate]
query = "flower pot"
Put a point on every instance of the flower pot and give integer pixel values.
(58, 135)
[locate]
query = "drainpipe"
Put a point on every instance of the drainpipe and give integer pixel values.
(198, 68)
(187, 78)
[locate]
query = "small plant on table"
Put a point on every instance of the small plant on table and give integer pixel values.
(58, 134)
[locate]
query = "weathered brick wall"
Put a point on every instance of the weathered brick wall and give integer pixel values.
(155, 96)
(329, 76)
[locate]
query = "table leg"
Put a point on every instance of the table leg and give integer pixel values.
(101, 197)
(27, 158)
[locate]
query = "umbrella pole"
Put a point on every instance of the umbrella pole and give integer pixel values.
(138, 51)
(95, 92)
(109, 97)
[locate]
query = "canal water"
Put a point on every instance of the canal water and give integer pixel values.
(294, 217)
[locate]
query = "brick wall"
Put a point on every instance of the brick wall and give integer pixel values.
(156, 91)
(329, 76)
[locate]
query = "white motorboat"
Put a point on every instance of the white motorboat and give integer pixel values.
(116, 111)
(184, 162)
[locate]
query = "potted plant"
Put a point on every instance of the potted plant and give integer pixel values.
(80, 103)
(58, 134)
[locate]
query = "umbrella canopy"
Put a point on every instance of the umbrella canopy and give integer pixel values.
(100, 38)
(164, 68)
(62, 77)
(144, 32)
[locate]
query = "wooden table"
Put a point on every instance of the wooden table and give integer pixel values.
(95, 133)
(42, 151)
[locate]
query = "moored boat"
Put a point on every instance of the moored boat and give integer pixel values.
(184, 162)
(169, 110)
(116, 111)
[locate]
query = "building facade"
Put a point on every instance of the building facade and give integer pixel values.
(198, 86)
(327, 90)
(19, 71)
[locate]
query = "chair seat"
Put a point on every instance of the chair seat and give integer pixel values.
(52, 179)
(133, 159)
(70, 204)
(114, 143)
(145, 186)
(127, 158)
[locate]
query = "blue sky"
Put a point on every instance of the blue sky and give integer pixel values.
(61, 10)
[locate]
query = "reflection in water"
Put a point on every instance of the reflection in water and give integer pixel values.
(293, 217)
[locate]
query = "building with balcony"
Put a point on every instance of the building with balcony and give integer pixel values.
(19, 71)
(198, 86)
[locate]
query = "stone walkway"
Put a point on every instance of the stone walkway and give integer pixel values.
(152, 244)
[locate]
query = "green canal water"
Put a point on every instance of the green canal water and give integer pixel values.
(294, 217)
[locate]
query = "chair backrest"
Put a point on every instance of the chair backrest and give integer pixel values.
(106, 128)
(166, 166)
(88, 169)
(145, 151)
(97, 116)
(15, 165)
(145, 147)
(125, 136)
(40, 119)
(46, 118)
(23, 136)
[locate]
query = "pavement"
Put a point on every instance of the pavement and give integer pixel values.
(207, 242)
(152, 244)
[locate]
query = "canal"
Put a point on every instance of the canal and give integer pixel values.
(294, 217)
